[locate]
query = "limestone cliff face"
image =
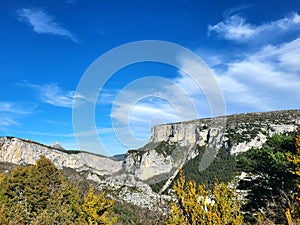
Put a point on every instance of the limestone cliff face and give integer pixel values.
(182, 133)
(23, 152)
(147, 164)
(171, 145)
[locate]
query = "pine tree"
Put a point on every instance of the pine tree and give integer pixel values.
(269, 181)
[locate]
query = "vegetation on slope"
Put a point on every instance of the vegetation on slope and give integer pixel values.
(39, 194)
(272, 185)
(223, 168)
(129, 214)
(273, 175)
(199, 205)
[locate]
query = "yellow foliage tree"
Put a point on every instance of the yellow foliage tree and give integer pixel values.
(97, 209)
(39, 194)
(202, 206)
(293, 213)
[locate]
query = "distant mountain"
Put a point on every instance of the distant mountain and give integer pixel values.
(119, 157)
(128, 177)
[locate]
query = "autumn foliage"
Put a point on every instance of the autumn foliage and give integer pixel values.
(293, 213)
(198, 205)
(39, 194)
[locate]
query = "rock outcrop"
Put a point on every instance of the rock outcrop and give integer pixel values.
(57, 145)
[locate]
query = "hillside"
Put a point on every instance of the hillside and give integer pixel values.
(204, 144)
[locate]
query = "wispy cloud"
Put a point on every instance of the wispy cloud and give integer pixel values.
(10, 113)
(265, 77)
(151, 101)
(6, 122)
(44, 23)
(52, 94)
(141, 116)
(13, 108)
(107, 97)
(265, 80)
(72, 2)
(80, 134)
(235, 28)
(145, 111)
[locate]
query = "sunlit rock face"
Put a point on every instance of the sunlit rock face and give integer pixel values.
(23, 152)
(238, 133)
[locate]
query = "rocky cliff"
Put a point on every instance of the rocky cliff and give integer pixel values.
(23, 152)
(170, 147)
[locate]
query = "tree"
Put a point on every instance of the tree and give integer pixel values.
(293, 212)
(25, 192)
(97, 209)
(269, 181)
(223, 168)
(129, 214)
(64, 207)
(39, 194)
(202, 206)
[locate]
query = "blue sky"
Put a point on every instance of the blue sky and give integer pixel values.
(253, 48)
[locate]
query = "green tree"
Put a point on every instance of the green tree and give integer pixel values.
(270, 180)
(27, 189)
(223, 168)
(64, 207)
(39, 194)
(293, 212)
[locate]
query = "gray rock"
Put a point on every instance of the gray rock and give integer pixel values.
(57, 145)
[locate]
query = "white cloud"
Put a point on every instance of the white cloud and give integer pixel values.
(10, 113)
(88, 133)
(7, 122)
(54, 95)
(235, 28)
(13, 108)
(151, 101)
(145, 111)
(286, 55)
(236, 93)
(141, 116)
(106, 97)
(266, 80)
(43, 23)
